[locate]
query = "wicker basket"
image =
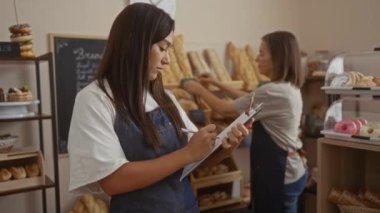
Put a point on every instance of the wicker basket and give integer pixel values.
(6, 144)
(356, 209)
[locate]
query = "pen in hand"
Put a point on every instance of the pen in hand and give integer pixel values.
(192, 132)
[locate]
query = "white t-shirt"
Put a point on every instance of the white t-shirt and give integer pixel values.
(281, 117)
(94, 148)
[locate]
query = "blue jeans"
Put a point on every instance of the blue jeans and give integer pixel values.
(291, 193)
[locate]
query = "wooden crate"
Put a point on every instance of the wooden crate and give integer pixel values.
(230, 182)
(22, 157)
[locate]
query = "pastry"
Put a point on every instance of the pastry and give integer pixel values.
(335, 195)
(21, 33)
(376, 80)
(346, 127)
(371, 129)
(22, 94)
(28, 54)
(21, 37)
(5, 174)
(206, 199)
(26, 46)
(32, 170)
(18, 172)
(20, 28)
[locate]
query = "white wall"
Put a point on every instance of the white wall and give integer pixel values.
(340, 25)
(325, 24)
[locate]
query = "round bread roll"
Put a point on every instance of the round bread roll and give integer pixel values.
(18, 172)
(5, 174)
(206, 200)
(26, 46)
(32, 170)
(21, 37)
(28, 54)
(20, 28)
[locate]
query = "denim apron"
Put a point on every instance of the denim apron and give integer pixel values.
(168, 195)
(267, 172)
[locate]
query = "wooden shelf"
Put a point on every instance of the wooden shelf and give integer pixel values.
(48, 184)
(37, 117)
(346, 165)
(230, 208)
(12, 60)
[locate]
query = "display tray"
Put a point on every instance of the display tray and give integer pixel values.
(352, 90)
(20, 109)
(352, 138)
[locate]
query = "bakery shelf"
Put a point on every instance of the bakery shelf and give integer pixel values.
(26, 118)
(36, 114)
(352, 138)
(352, 90)
(48, 184)
(345, 165)
(18, 60)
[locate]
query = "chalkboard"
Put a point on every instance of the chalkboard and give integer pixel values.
(76, 59)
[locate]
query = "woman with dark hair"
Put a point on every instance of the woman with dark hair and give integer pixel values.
(278, 171)
(125, 136)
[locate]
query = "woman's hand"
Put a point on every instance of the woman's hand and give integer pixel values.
(201, 143)
(192, 86)
(235, 136)
(206, 79)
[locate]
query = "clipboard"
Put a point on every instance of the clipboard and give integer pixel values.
(243, 118)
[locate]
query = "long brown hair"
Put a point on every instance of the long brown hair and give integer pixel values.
(125, 67)
(286, 57)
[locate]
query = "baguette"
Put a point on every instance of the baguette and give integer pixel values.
(252, 57)
(216, 65)
(167, 76)
(182, 59)
(174, 67)
(195, 63)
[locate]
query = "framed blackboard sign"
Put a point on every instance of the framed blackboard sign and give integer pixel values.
(76, 59)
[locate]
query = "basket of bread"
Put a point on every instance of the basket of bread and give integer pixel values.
(7, 142)
(349, 202)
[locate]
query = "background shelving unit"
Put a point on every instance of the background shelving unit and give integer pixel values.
(39, 118)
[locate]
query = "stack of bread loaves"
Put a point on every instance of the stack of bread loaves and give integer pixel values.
(21, 33)
(87, 203)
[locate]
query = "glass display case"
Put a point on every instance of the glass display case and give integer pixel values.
(349, 152)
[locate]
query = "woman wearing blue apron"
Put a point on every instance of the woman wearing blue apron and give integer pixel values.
(278, 171)
(125, 135)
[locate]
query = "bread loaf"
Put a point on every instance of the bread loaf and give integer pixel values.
(217, 66)
(252, 59)
(18, 172)
(188, 105)
(32, 170)
(168, 76)
(181, 94)
(174, 67)
(5, 174)
(182, 59)
(87, 203)
(243, 69)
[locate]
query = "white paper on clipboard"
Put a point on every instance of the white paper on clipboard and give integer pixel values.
(243, 118)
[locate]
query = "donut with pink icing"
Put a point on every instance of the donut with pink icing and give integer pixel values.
(346, 127)
(362, 120)
(358, 125)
